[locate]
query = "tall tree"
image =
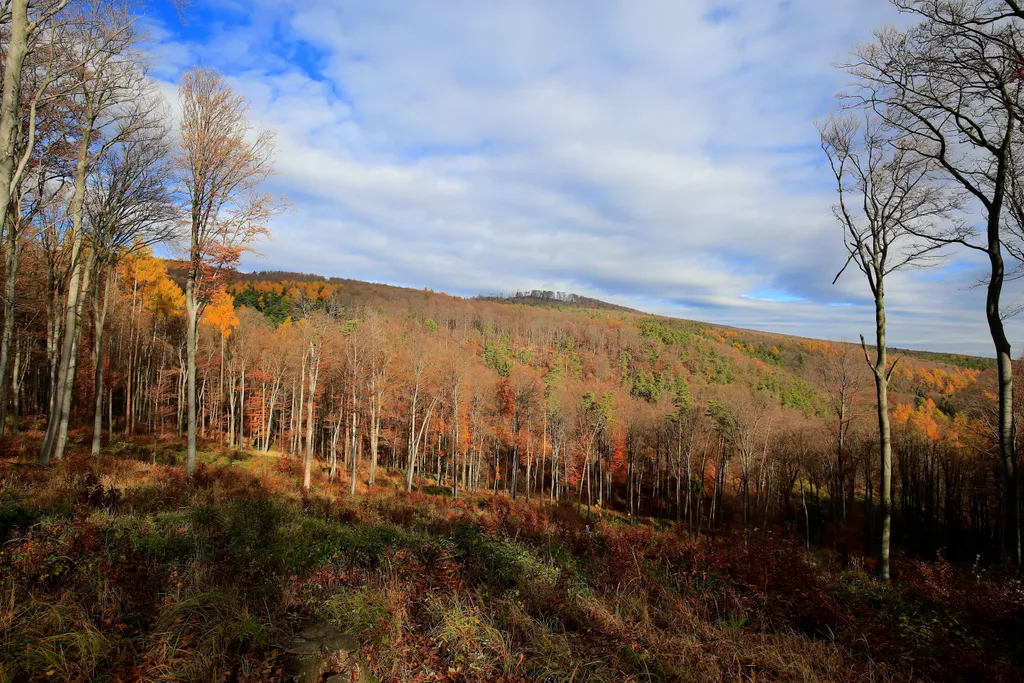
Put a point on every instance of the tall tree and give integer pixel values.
(37, 196)
(378, 340)
(110, 90)
(223, 164)
(421, 381)
(887, 197)
(18, 139)
(950, 87)
(25, 18)
(314, 332)
(840, 377)
(129, 208)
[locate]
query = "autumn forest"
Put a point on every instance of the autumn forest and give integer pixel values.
(213, 474)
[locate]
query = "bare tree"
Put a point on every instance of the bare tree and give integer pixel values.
(32, 64)
(314, 333)
(222, 166)
(108, 85)
(842, 383)
(887, 198)
(746, 424)
(25, 19)
(129, 208)
(455, 368)
(36, 191)
(421, 365)
(379, 343)
(950, 87)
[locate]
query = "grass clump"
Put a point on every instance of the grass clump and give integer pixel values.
(472, 639)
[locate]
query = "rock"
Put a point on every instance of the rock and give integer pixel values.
(323, 649)
(341, 678)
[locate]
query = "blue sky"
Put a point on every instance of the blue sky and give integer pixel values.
(660, 154)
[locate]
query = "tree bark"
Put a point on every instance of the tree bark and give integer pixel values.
(881, 371)
(11, 262)
(191, 343)
(99, 319)
(56, 431)
(17, 50)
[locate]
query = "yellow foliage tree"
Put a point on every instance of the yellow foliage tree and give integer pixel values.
(220, 312)
(159, 294)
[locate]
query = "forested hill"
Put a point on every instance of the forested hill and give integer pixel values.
(356, 293)
(343, 392)
(773, 402)
(957, 359)
(351, 291)
(359, 289)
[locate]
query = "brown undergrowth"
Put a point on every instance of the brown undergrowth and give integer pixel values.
(118, 569)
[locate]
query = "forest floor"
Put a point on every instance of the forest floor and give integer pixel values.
(119, 569)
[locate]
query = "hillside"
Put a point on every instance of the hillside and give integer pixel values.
(631, 368)
(133, 571)
(358, 292)
(214, 476)
(478, 488)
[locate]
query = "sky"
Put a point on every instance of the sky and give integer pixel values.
(660, 154)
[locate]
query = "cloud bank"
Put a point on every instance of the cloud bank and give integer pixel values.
(654, 153)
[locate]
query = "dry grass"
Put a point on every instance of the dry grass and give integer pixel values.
(123, 568)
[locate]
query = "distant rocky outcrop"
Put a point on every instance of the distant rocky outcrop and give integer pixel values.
(550, 299)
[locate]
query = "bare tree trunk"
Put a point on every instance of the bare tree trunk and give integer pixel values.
(374, 439)
(412, 442)
(1011, 546)
(301, 405)
(10, 114)
(270, 415)
(241, 410)
(99, 320)
(841, 455)
(129, 412)
(11, 263)
(52, 443)
(72, 364)
(232, 397)
(455, 444)
(335, 435)
(881, 372)
(192, 343)
(17, 379)
(529, 462)
(355, 442)
(314, 368)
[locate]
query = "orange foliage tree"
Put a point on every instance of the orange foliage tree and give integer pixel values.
(222, 168)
